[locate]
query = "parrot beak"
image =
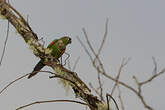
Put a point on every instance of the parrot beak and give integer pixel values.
(70, 40)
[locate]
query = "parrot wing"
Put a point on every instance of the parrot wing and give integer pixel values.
(52, 43)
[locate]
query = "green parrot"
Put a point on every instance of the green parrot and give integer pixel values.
(58, 47)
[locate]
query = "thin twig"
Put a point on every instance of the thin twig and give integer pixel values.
(55, 76)
(85, 48)
(100, 86)
(5, 44)
(103, 41)
(153, 77)
(108, 95)
(94, 63)
(107, 102)
(13, 82)
(49, 101)
(123, 64)
(140, 94)
(75, 64)
(120, 98)
(119, 82)
(88, 42)
(96, 91)
(104, 38)
(22, 18)
(96, 55)
(99, 51)
(93, 51)
(114, 79)
(19, 79)
(100, 63)
(155, 66)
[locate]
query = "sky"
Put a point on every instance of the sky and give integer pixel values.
(136, 30)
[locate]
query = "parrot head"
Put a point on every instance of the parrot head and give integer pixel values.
(66, 40)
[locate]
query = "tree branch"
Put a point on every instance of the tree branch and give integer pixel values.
(5, 44)
(100, 69)
(50, 101)
(13, 83)
(45, 54)
(123, 64)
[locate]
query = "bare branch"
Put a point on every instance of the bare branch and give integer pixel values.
(22, 18)
(4, 48)
(123, 64)
(100, 86)
(140, 84)
(153, 77)
(155, 65)
(75, 64)
(130, 88)
(108, 95)
(88, 42)
(13, 82)
(110, 77)
(91, 48)
(155, 73)
(120, 98)
(104, 38)
(50, 101)
(85, 48)
(96, 91)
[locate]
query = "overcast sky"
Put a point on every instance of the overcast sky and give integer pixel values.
(136, 30)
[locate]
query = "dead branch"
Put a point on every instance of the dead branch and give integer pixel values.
(85, 48)
(155, 65)
(13, 83)
(152, 77)
(120, 98)
(5, 44)
(104, 38)
(100, 69)
(96, 91)
(75, 64)
(50, 101)
(108, 95)
(100, 86)
(123, 64)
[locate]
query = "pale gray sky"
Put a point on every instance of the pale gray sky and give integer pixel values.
(136, 30)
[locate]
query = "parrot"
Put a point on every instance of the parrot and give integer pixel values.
(58, 47)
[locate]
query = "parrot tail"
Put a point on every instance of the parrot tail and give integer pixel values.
(36, 69)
